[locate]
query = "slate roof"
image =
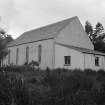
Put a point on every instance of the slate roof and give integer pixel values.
(49, 31)
(84, 50)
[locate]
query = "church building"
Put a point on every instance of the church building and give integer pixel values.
(63, 44)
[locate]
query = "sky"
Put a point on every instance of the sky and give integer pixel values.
(18, 16)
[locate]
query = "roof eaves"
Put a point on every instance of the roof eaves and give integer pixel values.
(12, 45)
(83, 50)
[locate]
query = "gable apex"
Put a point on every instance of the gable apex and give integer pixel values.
(73, 34)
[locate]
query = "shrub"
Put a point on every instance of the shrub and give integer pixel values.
(83, 98)
(17, 69)
(90, 72)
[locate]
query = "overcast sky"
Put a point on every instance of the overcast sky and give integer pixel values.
(18, 16)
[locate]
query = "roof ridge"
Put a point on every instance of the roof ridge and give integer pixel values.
(43, 32)
(49, 25)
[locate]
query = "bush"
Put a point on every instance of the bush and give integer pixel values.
(83, 98)
(90, 72)
(17, 69)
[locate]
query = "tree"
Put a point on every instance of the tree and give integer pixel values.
(99, 29)
(96, 35)
(99, 32)
(3, 51)
(89, 30)
(4, 40)
(2, 33)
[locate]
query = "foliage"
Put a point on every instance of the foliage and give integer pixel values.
(51, 87)
(12, 90)
(4, 40)
(5, 94)
(96, 35)
(83, 97)
(89, 30)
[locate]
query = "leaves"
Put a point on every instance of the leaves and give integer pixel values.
(96, 35)
(88, 28)
(4, 40)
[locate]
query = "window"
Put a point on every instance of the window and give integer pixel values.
(9, 57)
(96, 61)
(27, 54)
(67, 60)
(17, 55)
(39, 53)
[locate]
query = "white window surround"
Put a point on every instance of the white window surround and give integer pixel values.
(97, 63)
(67, 60)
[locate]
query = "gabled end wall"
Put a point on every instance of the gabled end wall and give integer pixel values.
(74, 34)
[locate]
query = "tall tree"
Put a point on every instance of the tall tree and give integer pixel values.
(4, 40)
(89, 30)
(96, 35)
(99, 29)
(99, 32)
(3, 52)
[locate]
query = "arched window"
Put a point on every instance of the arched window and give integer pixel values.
(27, 54)
(9, 57)
(39, 53)
(17, 55)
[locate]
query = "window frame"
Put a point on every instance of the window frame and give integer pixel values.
(17, 56)
(27, 54)
(67, 60)
(9, 56)
(39, 53)
(97, 63)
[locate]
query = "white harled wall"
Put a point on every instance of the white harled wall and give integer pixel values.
(77, 60)
(74, 35)
(46, 57)
(53, 56)
(90, 61)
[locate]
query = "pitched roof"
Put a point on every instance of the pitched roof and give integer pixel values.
(49, 31)
(84, 50)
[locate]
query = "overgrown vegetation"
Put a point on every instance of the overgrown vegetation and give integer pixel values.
(27, 86)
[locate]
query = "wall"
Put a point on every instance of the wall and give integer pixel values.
(5, 61)
(46, 58)
(90, 61)
(74, 35)
(77, 58)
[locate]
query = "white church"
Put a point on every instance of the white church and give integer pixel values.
(63, 44)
